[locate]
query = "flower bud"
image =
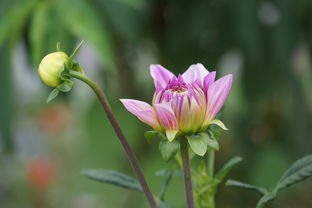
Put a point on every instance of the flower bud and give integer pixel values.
(51, 67)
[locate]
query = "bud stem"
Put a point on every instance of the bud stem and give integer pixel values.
(187, 173)
(127, 148)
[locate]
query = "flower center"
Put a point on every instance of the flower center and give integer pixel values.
(177, 85)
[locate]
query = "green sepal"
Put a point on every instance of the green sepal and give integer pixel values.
(77, 49)
(55, 92)
(112, 177)
(150, 135)
(76, 67)
(168, 149)
(213, 142)
(199, 143)
(66, 86)
(215, 130)
(58, 46)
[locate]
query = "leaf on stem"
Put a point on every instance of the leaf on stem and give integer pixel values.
(166, 181)
(227, 167)
(168, 149)
(258, 189)
(53, 94)
(176, 173)
(299, 171)
(112, 177)
(266, 198)
(162, 204)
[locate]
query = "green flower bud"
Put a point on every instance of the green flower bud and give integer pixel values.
(51, 68)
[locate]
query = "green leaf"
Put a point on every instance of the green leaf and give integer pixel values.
(299, 171)
(227, 167)
(176, 173)
(166, 181)
(162, 204)
(38, 30)
(266, 198)
(13, 17)
(168, 149)
(198, 143)
(258, 189)
(53, 94)
(112, 177)
(150, 135)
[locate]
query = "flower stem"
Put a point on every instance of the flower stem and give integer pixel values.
(187, 174)
(210, 172)
(131, 156)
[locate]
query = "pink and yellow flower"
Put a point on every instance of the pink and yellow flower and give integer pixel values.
(186, 104)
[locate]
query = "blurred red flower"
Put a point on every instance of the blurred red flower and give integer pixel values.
(54, 119)
(40, 173)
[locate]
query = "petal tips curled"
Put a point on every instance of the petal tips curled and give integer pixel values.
(217, 94)
(160, 75)
(143, 111)
(218, 123)
(195, 72)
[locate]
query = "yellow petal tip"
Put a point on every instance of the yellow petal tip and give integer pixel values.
(219, 123)
(171, 134)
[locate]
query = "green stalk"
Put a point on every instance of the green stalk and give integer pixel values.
(210, 172)
(187, 173)
(131, 156)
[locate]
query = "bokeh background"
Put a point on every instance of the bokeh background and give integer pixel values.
(265, 44)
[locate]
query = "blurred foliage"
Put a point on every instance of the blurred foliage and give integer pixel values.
(267, 45)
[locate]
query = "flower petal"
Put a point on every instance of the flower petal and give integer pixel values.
(209, 79)
(218, 123)
(195, 72)
(171, 134)
(217, 94)
(161, 76)
(143, 111)
(166, 116)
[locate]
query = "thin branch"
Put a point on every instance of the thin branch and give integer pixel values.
(131, 156)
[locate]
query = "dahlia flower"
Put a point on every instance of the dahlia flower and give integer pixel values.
(183, 104)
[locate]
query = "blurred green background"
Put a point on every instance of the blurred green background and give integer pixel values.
(266, 45)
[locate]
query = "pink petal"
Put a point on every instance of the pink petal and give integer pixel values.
(209, 79)
(195, 72)
(143, 111)
(217, 94)
(161, 76)
(166, 116)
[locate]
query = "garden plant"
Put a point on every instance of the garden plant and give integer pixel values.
(185, 118)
